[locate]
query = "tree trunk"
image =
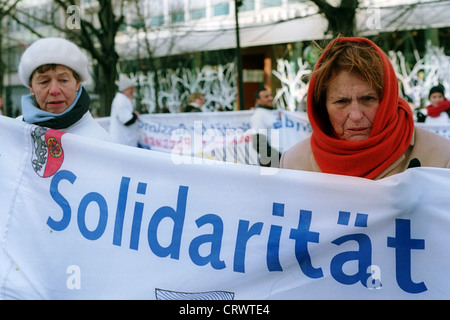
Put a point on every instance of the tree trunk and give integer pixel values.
(341, 20)
(109, 57)
(106, 87)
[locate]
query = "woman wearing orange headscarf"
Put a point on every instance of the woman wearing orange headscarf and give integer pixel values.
(361, 127)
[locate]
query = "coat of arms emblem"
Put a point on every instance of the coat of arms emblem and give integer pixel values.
(48, 154)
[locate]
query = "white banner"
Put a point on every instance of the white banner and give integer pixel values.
(441, 129)
(294, 127)
(82, 219)
(159, 132)
(225, 136)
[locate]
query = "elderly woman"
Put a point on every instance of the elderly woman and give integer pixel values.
(361, 127)
(53, 69)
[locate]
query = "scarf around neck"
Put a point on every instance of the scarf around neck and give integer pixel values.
(436, 111)
(390, 137)
(34, 115)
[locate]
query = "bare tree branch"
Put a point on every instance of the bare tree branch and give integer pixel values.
(5, 10)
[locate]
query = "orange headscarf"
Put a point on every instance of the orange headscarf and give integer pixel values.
(390, 136)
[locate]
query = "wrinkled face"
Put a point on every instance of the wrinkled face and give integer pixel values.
(55, 89)
(436, 98)
(265, 98)
(352, 106)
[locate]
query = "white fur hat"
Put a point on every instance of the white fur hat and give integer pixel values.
(52, 51)
(124, 82)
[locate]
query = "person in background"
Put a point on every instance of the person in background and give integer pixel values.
(123, 126)
(360, 125)
(438, 112)
(53, 69)
(195, 102)
(2, 108)
(262, 121)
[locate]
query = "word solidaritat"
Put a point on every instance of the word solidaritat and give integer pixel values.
(301, 237)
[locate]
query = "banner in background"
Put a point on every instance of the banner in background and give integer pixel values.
(161, 132)
(82, 219)
(443, 129)
(225, 136)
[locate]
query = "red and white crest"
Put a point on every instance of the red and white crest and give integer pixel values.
(48, 154)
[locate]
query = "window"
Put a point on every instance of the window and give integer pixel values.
(198, 14)
(197, 9)
(247, 5)
(157, 21)
(221, 9)
(176, 17)
(156, 12)
(271, 3)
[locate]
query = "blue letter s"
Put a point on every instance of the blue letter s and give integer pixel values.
(60, 200)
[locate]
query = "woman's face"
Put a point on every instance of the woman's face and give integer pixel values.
(436, 98)
(352, 106)
(55, 89)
